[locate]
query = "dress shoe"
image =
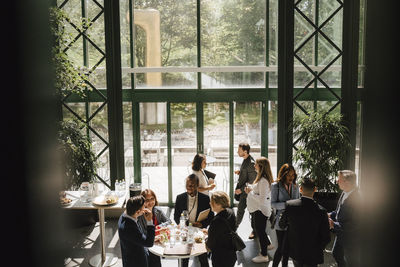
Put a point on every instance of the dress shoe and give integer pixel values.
(260, 259)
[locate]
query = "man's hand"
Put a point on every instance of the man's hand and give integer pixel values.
(238, 191)
(148, 215)
(331, 225)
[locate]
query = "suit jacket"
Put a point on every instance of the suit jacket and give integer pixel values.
(346, 222)
(247, 173)
(203, 203)
(308, 230)
(279, 196)
(161, 218)
(219, 241)
(134, 242)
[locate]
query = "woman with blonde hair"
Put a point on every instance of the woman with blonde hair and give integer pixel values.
(259, 204)
(219, 240)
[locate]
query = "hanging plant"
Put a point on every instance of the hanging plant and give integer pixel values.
(68, 77)
(323, 142)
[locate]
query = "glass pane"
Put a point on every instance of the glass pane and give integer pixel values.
(216, 142)
(247, 121)
(167, 80)
(183, 142)
(233, 32)
(232, 80)
(99, 136)
(128, 141)
(153, 135)
(165, 33)
(273, 135)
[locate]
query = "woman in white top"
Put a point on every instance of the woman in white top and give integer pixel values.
(259, 204)
(198, 165)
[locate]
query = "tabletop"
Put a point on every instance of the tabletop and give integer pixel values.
(77, 203)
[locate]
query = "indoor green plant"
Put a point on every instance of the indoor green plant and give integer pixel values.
(79, 158)
(321, 144)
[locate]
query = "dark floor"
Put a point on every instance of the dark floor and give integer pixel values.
(84, 243)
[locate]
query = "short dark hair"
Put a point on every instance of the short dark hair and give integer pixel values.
(245, 147)
(134, 204)
(197, 160)
(308, 184)
(193, 177)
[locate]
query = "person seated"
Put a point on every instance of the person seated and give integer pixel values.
(134, 242)
(159, 217)
(193, 203)
(198, 166)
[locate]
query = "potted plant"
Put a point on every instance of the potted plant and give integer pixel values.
(321, 144)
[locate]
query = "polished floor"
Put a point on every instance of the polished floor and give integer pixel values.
(84, 243)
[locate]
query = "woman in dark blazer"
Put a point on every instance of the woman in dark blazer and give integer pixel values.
(159, 217)
(219, 240)
(284, 189)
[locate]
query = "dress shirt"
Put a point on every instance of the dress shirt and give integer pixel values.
(259, 197)
(192, 207)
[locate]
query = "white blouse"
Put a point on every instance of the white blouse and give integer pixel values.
(259, 198)
(203, 180)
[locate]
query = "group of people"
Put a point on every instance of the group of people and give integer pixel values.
(303, 228)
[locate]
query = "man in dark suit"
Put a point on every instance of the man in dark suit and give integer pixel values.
(133, 241)
(193, 203)
(247, 174)
(344, 221)
(308, 227)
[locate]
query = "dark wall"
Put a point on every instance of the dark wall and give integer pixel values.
(380, 179)
(30, 176)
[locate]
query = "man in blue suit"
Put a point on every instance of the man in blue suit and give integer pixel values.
(133, 241)
(344, 221)
(194, 203)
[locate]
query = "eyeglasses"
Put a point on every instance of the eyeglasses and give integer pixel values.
(150, 199)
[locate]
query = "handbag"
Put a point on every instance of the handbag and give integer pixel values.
(273, 217)
(237, 242)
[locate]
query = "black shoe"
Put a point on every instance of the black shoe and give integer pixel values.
(252, 235)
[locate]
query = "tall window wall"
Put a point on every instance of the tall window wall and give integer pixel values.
(201, 76)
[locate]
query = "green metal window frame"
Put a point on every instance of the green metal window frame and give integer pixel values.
(283, 93)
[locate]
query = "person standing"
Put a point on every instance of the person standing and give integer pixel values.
(199, 164)
(159, 217)
(344, 222)
(284, 189)
(247, 174)
(307, 227)
(133, 241)
(219, 240)
(259, 204)
(193, 202)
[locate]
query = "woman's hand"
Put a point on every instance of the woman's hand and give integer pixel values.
(247, 189)
(148, 215)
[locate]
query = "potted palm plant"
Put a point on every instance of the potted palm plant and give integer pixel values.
(321, 144)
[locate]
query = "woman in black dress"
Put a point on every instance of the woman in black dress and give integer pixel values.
(219, 240)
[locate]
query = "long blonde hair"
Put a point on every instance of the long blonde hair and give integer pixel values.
(265, 170)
